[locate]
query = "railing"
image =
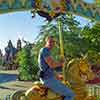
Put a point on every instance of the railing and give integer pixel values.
(94, 90)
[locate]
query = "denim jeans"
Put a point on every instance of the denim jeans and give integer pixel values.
(59, 88)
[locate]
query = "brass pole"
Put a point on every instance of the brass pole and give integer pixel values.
(62, 51)
(61, 44)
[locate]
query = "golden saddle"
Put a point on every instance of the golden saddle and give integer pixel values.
(40, 92)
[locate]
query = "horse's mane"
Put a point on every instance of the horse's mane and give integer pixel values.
(71, 62)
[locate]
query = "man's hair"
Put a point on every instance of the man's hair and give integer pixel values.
(48, 37)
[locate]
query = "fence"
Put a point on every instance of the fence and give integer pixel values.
(94, 90)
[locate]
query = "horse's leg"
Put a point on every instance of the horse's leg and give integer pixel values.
(80, 92)
(79, 97)
(82, 96)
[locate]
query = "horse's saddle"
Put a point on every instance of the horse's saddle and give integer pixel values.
(43, 91)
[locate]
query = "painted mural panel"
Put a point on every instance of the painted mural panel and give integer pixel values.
(51, 6)
(15, 5)
(86, 8)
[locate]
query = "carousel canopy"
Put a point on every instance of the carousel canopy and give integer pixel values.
(7, 6)
(52, 8)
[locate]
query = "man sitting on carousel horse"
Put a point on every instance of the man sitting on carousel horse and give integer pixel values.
(47, 65)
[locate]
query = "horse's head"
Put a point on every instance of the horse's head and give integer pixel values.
(85, 69)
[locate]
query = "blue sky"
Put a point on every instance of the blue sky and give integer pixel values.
(89, 1)
(18, 25)
(21, 25)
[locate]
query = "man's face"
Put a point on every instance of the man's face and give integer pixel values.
(51, 42)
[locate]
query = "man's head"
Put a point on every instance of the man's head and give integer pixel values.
(50, 42)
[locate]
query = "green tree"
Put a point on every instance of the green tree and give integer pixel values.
(92, 36)
(27, 64)
(70, 31)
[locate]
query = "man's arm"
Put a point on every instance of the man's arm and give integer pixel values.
(53, 64)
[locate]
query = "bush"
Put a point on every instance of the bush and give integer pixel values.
(27, 64)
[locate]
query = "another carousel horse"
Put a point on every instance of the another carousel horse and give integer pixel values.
(77, 72)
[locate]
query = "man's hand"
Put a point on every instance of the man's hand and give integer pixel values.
(62, 61)
(59, 76)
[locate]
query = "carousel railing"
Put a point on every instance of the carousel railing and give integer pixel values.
(94, 90)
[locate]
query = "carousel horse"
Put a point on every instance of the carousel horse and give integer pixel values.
(77, 72)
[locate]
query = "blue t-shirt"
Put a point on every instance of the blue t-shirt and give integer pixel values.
(48, 72)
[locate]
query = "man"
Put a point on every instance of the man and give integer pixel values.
(47, 66)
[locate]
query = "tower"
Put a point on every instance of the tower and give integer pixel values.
(19, 45)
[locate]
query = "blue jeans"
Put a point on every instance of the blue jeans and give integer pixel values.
(59, 88)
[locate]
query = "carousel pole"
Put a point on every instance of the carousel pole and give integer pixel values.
(61, 39)
(61, 43)
(62, 51)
